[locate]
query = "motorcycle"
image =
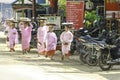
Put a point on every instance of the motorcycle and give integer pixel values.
(88, 50)
(80, 48)
(33, 42)
(110, 55)
(87, 47)
(93, 47)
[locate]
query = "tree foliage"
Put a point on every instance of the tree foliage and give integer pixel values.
(62, 2)
(90, 18)
(21, 1)
(62, 6)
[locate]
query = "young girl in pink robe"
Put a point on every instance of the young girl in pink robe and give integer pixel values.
(66, 38)
(41, 35)
(13, 37)
(26, 28)
(7, 26)
(6, 31)
(51, 42)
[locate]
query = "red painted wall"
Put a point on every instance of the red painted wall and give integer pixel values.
(112, 6)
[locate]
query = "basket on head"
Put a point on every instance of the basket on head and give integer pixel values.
(67, 24)
(11, 20)
(41, 19)
(51, 24)
(25, 19)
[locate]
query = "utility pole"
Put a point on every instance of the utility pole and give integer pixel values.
(34, 9)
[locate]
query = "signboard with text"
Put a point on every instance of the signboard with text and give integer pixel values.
(56, 20)
(75, 13)
(112, 6)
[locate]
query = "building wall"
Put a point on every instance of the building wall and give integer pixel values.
(6, 11)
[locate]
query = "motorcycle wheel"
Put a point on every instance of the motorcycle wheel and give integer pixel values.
(82, 58)
(91, 60)
(103, 58)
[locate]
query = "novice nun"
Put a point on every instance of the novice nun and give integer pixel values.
(41, 35)
(51, 42)
(26, 28)
(66, 38)
(12, 36)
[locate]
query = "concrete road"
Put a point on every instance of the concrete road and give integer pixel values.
(15, 66)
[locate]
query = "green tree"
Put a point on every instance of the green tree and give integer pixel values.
(22, 3)
(62, 6)
(90, 18)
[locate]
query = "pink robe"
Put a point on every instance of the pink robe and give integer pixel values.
(41, 35)
(46, 28)
(51, 41)
(66, 37)
(7, 28)
(5, 25)
(13, 37)
(26, 36)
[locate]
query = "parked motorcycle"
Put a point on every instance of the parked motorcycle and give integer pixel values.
(88, 50)
(80, 48)
(93, 47)
(33, 43)
(110, 55)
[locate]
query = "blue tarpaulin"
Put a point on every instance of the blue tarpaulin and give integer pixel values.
(41, 1)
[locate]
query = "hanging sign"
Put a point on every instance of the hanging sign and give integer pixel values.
(112, 5)
(75, 13)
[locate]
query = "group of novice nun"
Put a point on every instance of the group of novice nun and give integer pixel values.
(46, 38)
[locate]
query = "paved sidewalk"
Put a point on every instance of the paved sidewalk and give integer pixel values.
(75, 57)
